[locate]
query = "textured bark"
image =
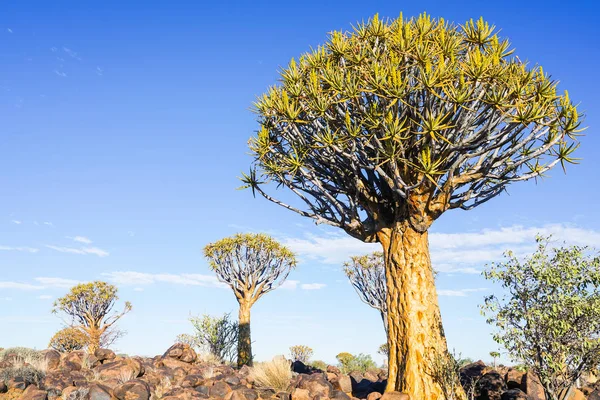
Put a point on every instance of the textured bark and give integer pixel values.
(244, 338)
(94, 335)
(415, 333)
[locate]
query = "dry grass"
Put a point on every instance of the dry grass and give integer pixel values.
(126, 375)
(163, 387)
(275, 374)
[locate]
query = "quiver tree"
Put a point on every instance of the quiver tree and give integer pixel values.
(68, 339)
(384, 128)
(367, 276)
(252, 265)
(90, 307)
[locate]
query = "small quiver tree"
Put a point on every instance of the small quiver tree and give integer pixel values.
(216, 335)
(383, 129)
(90, 307)
(68, 339)
(301, 353)
(549, 317)
(252, 265)
(367, 276)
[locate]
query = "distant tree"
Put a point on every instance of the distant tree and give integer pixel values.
(367, 276)
(383, 350)
(494, 355)
(383, 129)
(217, 335)
(68, 339)
(549, 318)
(252, 265)
(90, 307)
(351, 363)
(301, 353)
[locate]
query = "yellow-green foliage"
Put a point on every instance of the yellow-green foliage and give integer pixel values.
(68, 339)
(301, 353)
(275, 374)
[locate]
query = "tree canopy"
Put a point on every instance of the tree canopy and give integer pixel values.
(405, 119)
(549, 315)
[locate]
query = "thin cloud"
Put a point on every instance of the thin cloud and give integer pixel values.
(81, 251)
(9, 30)
(80, 239)
(312, 286)
(127, 278)
(60, 73)
(460, 292)
(45, 297)
(72, 53)
(19, 286)
(20, 248)
(48, 223)
(56, 282)
(41, 283)
(290, 284)
(16, 222)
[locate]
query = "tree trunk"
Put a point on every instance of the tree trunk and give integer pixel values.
(94, 335)
(415, 335)
(244, 339)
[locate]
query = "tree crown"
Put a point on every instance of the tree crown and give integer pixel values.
(251, 264)
(405, 119)
(367, 276)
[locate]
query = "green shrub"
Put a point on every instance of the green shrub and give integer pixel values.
(318, 364)
(351, 363)
(68, 339)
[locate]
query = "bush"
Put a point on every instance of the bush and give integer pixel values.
(318, 364)
(30, 374)
(275, 374)
(217, 335)
(68, 339)
(444, 369)
(19, 353)
(301, 353)
(351, 363)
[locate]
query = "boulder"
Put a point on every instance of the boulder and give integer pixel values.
(192, 381)
(3, 387)
(17, 383)
(594, 395)
(104, 355)
(532, 386)
(59, 379)
(490, 386)
(374, 396)
(514, 394)
(395, 396)
(242, 394)
(339, 395)
(73, 361)
(97, 391)
(118, 369)
(52, 358)
(514, 378)
(301, 394)
(334, 370)
(471, 373)
(182, 352)
(372, 376)
(132, 390)
(316, 384)
(219, 389)
(33, 393)
(283, 396)
(343, 383)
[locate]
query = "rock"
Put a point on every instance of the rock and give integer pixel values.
(192, 381)
(342, 382)
(203, 390)
(316, 384)
(372, 376)
(132, 390)
(231, 380)
(98, 391)
(514, 394)
(490, 386)
(242, 394)
(334, 370)
(3, 387)
(356, 376)
(395, 396)
(17, 383)
(374, 396)
(283, 396)
(52, 357)
(576, 394)
(300, 368)
(58, 380)
(219, 389)
(532, 386)
(301, 394)
(66, 392)
(73, 361)
(104, 355)
(130, 368)
(471, 373)
(595, 395)
(339, 395)
(514, 378)
(266, 393)
(33, 393)
(54, 394)
(182, 352)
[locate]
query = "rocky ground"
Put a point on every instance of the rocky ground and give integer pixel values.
(180, 375)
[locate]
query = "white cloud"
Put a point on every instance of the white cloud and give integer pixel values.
(48, 223)
(142, 278)
(9, 30)
(459, 292)
(45, 297)
(82, 251)
(19, 286)
(56, 282)
(460, 252)
(23, 249)
(138, 289)
(80, 239)
(16, 222)
(312, 286)
(290, 284)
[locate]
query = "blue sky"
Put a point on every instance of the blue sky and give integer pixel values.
(123, 130)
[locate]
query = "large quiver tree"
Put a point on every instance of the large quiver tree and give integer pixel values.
(252, 265)
(382, 129)
(367, 276)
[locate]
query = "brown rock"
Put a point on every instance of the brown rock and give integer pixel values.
(333, 370)
(242, 394)
(491, 386)
(316, 384)
(192, 381)
(97, 391)
(342, 382)
(301, 394)
(514, 378)
(66, 392)
(130, 368)
(532, 386)
(73, 361)
(58, 380)
(33, 393)
(514, 394)
(471, 373)
(52, 357)
(182, 352)
(372, 376)
(339, 395)
(3, 387)
(374, 396)
(219, 389)
(17, 383)
(395, 396)
(132, 390)
(105, 355)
